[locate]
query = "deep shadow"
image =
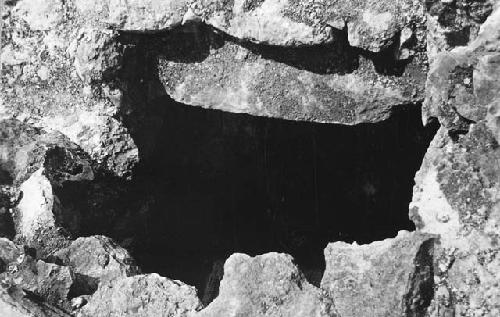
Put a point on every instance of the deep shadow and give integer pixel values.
(213, 183)
(192, 43)
(337, 57)
(386, 62)
(220, 183)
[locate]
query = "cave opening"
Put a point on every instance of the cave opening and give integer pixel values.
(219, 183)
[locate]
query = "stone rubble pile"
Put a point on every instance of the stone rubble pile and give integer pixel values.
(77, 76)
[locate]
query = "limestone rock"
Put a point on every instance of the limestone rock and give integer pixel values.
(454, 23)
(143, 295)
(9, 253)
(41, 15)
(147, 15)
(42, 86)
(463, 83)
(135, 15)
(457, 188)
(371, 25)
(22, 273)
(97, 54)
(96, 260)
(49, 281)
(54, 282)
(393, 277)
(40, 164)
(263, 22)
(15, 303)
(266, 285)
(331, 84)
(79, 83)
(456, 196)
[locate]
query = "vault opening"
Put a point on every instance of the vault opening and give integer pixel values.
(217, 183)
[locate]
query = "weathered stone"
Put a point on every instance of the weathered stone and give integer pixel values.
(14, 303)
(332, 84)
(9, 253)
(456, 196)
(96, 260)
(47, 280)
(43, 87)
(54, 282)
(97, 55)
(41, 14)
(371, 25)
(262, 22)
(457, 188)
(147, 15)
(454, 23)
(393, 277)
(135, 15)
(65, 68)
(143, 295)
(41, 163)
(266, 285)
(462, 83)
(22, 273)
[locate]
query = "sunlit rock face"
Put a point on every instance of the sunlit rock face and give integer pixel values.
(267, 285)
(143, 295)
(457, 188)
(393, 277)
(102, 134)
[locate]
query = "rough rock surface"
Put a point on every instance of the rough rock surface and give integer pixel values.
(333, 83)
(22, 276)
(457, 188)
(393, 277)
(14, 303)
(454, 23)
(96, 260)
(41, 82)
(350, 70)
(143, 295)
(54, 282)
(9, 253)
(267, 285)
(79, 85)
(39, 164)
(371, 25)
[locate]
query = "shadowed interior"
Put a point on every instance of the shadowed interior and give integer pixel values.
(220, 183)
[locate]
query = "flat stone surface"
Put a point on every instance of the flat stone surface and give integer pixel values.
(331, 84)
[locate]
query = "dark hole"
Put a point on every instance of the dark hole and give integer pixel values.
(220, 183)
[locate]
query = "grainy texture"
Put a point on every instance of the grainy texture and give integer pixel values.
(457, 188)
(267, 285)
(393, 277)
(143, 295)
(96, 260)
(79, 92)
